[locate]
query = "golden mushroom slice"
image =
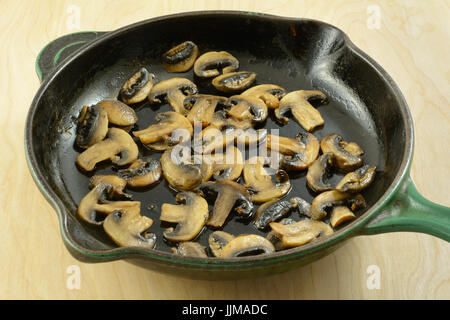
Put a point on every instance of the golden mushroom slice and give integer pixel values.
(217, 240)
(260, 182)
(142, 173)
(174, 91)
(273, 238)
(137, 88)
(190, 249)
(346, 156)
(245, 245)
(190, 216)
(334, 198)
(304, 159)
(92, 126)
(202, 108)
(119, 113)
(213, 139)
(184, 173)
(171, 128)
(228, 165)
(300, 233)
(272, 211)
(98, 200)
(319, 172)
(339, 215)
(357, 180)
(297, 103)
(208, 64)
(229, 195)
(180, 58)
(127, 228)
(271, 94)
(221, 119)
(247, 108)
(234, 81)
(118, 146)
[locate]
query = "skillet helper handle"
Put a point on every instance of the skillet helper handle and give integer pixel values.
(410, 211)
(59, 49)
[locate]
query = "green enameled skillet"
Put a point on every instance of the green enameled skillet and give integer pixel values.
(365, 106)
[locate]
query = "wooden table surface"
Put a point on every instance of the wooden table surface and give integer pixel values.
(410, 39)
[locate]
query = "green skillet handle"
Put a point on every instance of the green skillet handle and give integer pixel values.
(59, 49)
(409, 211)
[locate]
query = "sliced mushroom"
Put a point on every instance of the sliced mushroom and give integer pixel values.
(247, 108)
(212, 139)
(118, 112)
(126, 227)
(249, 136)
(273, 238)
(190, 249)
(137, 88)
(234, 81)
(221, 119)
(182, 172)
(208, 64)
(297, 103)
(142, 173)
(172, 128)
(104, 188)
(271, 94)
(334, 198)
(305, 158)
(303, 207)
(180, 58)
(218, 240)
(357, 180)
(246, 245)
(229, 195)
(228, 165)
(342, 158)
(190, 216)
(92, 126)
(319, 172)
(202, 107)
(272, 211)
(258, 179)
(300, 233)
(339, 215)
(174, 90)
(118, 147)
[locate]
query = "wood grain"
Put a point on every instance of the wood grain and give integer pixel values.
(411, 44)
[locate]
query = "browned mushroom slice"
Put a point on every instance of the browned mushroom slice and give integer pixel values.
(118, 147)
(190, 216)
(300, 233)
(208, 64)
(92, 126)
(184, 173)
(319, 172)
(212, 139)
(297, 103)
(303, 207)
(217, 240)
(221, 119)
(171, 129)
(180, 58)
(273, 238)
(98, 200)
(118, 112)
(271, 94)
(202, 107)
(126, 227)
(190, 249)
(259, 180)
(142, 173)
(228, 165)
(272, 211)
(339, 215)
(357, 180)
(137, 88)
(334, 198)
(234, 81)
(247, 108)
(284, 145)
(229, 195)
(342, 158)
(246, 245)
(174, 90)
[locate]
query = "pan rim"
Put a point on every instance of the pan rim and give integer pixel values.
(254, 261)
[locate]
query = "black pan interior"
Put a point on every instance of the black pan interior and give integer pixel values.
(294, 54)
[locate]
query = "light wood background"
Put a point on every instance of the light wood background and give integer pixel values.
(412, 44)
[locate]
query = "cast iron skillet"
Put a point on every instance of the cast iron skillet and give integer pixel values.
(365, 106)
